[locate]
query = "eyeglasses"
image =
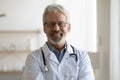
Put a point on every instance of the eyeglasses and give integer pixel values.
(52, 24)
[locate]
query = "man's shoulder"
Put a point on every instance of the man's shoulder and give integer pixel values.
(35, 53)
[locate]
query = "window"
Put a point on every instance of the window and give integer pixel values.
(83, 23)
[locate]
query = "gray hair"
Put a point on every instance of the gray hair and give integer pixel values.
(55, 8)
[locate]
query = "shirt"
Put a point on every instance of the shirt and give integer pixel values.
(58, 54)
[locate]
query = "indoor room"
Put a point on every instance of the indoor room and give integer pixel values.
(95, 28)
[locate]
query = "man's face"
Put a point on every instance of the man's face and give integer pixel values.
(56, 27)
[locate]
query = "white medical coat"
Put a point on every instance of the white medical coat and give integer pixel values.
(67, 69)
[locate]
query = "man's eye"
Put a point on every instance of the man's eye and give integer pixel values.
(51, 24)
(62, 24)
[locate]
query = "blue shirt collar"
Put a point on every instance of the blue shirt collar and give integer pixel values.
(54, 50)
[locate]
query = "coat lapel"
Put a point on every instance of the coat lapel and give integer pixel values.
(49, 55)
(67, 53)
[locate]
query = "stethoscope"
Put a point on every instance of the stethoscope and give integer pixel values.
(45, 69)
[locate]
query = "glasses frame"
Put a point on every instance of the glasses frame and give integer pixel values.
(52, 24)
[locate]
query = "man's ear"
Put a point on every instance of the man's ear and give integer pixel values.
(44, 29)
(69, 28)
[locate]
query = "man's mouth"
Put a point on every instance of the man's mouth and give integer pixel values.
(56, 35)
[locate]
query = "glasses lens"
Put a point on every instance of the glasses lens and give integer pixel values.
(52, 24)
(62, 24)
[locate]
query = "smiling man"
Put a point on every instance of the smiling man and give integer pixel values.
(57, 59)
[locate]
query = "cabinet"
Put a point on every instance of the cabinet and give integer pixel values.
(16, 41)
(14, 48)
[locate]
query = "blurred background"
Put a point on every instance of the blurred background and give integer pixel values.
(95, 28)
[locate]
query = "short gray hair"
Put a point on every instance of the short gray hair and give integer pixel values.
(56, 8)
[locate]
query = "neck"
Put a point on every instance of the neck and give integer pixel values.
(58, 47)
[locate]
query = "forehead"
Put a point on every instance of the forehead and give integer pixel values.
(55, 16)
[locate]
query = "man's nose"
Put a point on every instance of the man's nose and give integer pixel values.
(56, 27)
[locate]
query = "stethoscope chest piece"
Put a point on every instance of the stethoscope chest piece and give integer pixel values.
(45, 69)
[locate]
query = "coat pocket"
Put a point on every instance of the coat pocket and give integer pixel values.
(69, 69)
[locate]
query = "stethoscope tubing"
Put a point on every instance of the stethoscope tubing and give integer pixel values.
(44, 61)
(43, 56)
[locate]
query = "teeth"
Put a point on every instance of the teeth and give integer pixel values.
(56, 34)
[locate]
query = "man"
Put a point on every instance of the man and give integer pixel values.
(57, 59)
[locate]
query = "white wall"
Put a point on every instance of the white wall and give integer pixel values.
(115, 41)
(22, 14)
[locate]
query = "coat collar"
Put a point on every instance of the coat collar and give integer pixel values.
(49, 55)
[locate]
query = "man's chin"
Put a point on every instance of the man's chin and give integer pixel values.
(56, 42)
